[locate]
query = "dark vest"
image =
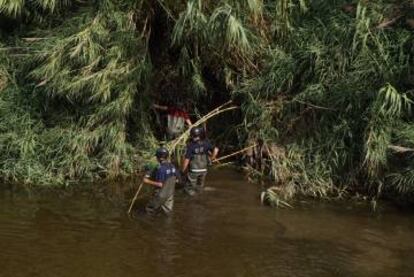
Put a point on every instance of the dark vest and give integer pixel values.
(199, 161)
(168, 188)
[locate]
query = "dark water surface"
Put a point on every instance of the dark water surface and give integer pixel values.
(223, 232)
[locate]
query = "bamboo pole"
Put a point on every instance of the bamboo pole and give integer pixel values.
(400, 149)
(223, 164)
(211, 114)
(135, 197)
(235, 153)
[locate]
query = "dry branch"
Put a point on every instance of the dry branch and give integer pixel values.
(388, 23)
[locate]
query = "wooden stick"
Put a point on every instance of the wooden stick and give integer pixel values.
(235, 153)
(135, 197)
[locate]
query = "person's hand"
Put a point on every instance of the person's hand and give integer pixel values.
(216, 161)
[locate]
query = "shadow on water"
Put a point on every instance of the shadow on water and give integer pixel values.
(223, 232)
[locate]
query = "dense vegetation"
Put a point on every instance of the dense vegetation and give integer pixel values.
(327, 85)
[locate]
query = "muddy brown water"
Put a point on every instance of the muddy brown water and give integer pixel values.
(223, 232)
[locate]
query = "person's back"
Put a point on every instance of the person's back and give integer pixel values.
(198, 154)
(164, 179)
(177, 118)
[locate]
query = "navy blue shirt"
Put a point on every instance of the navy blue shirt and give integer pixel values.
(164, 171)
(196, 147)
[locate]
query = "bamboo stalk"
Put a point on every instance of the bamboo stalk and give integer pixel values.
(224, 164)
(400, 149)
(135, 197)
(235, 153)
(209, 115)
(33, 39)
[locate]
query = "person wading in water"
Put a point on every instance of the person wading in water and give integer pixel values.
(177, 117)
(199, 153)
(164, 178)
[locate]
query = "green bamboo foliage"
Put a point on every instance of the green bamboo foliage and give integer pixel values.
(337, 100)
(256, 8)
(4, 76)
(285, 13)
(215, 35)
(89, 70)
(34, 10)
(386, 112)
(11, 7)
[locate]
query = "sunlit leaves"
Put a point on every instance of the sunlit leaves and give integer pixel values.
(15, 8)
(223, 24)
(11, 7)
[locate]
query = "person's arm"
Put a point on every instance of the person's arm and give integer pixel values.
(152, 183)
(158, 178)
(186, 118)
(187, 158)
(212, 151)
(160, 107)
(185, 164)
(214, 154)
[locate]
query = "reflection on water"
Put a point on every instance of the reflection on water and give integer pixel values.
(223, 232)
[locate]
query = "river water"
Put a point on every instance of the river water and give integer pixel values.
(223, 232)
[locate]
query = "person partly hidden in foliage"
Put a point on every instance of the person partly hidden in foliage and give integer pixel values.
(164, 178)
(255, 156)
(177, 117)
(198, 156)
